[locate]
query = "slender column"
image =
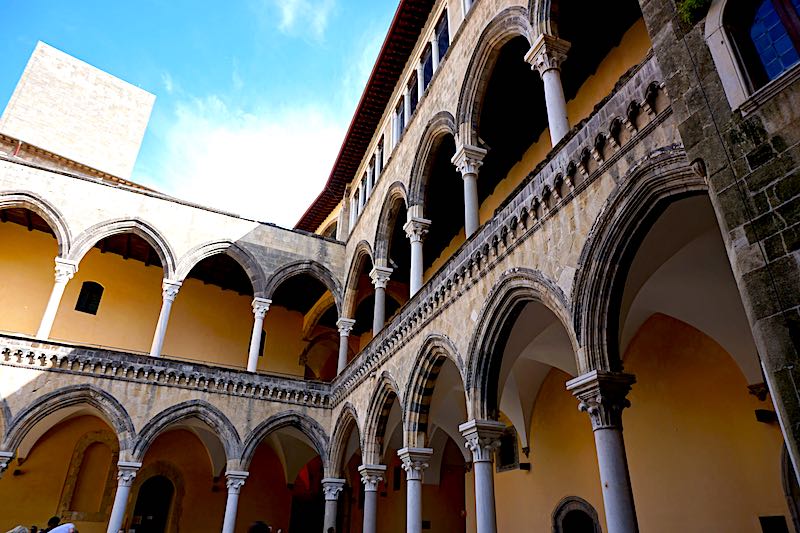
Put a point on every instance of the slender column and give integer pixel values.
(235, 482)
(371, 476)
(420, 81)
(345, 326)
(482, 437)
(416, 229)
(169, 290)
(435, 52)
(546, 56)
(468, 160)
(5, 460)
(331, 487)
(603, 396)
(126, 473)
(380, 277)
(260, 308)
(415, 461)
(406, 107)
(65, 270)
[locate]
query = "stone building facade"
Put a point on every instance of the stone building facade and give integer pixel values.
(547, 216)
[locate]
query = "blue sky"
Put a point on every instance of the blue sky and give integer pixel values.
(253, 96)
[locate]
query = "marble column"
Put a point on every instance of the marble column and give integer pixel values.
(380, 278)
(371, 476)
(420, 81)
(5, 460)
(260, 308)
(169, 290)
(603, 396)
(65, 270)
(546, 56)
(331, 487)
(468, 160)
(416, 229)
(482, 437)
(415, 461)
(235, 481)
(435, 52)
(126, 473)
(345, 326)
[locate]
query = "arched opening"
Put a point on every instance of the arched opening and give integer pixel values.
(151, 511)
(575, 515)
(347, 458)
(360, 299)
(398, 256)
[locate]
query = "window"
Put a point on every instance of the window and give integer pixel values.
(262, 343)
(413, 95)
(89, 297)
(427, 67)
(400, 123)
(575, 515)
(443, 35)
(379, 160)
(507, 457)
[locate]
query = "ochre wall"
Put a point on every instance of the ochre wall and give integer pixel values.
(264, 496)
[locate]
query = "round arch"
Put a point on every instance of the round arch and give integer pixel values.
(363, 251)
(345, 424)
(239, 253)
(517, 286)
(51, 408)
(572, 504)
(43, 208)
(640, 197)
(441, 124)
(91, 236)
(310, 267)
(220, 425)
(544, 17)
(386, 393)
(394, 201)
(506, 25)
(303, 423)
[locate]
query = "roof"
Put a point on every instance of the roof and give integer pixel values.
(401, 38)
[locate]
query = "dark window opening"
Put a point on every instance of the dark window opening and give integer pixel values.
(773, 524)
(396, 479)
(443, 35)
(401, 119)
(427, 67)
(379, 160)
(507, 457)
(575, 515)
(262, 343)
(413, 95)
(89, 297)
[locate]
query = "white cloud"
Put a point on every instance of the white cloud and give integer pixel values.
(298, 15)
(166, 79)
(357, 72)
(268, 165)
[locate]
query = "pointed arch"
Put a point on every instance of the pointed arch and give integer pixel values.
(517, 287)
(237, 252)
(51, 408)
(313, 269)
(638, 200)
(373, 439)
(43, 208)
(394, 202)
(303, 423)
(346, 423)
(91, 236)
(219, 424)
(509, 23)
(544, 17)
(441, 124)
(363, 251)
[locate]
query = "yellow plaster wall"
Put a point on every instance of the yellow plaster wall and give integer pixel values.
(264, 496)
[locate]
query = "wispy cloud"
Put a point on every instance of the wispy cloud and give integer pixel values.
(357, 71)
(304, 18)
(166, 80)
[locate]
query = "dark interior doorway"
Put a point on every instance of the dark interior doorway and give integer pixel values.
(152, 505)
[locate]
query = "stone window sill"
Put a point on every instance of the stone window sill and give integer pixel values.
(768, 91)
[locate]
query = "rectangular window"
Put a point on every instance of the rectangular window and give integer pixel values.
(89, 297)
(413, 95)
(401, 121)
(443, 35)
(427, 67)
(379, 160)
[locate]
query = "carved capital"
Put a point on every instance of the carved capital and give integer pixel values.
(65, 270)
(126, 473)
(371, 476)
(345, 326)
(169, 290)
(468, 159)
(417, 228)
(235, 480)
(547, 53)
(482, 437)
(602, 395)
(415, 461)
(331, 487)
(5, 460)
(260, 307)
(380, 276)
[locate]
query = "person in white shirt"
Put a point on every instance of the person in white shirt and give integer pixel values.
(65, 528)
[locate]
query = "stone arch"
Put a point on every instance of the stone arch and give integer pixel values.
(310, 267)
(199, 409)
(87, 440)
(362, 252)
(345, 424)
(638, 200)
(45, 410)
(386, 393)
(574, 503)
(304, 423)
(544, 17)
(441, 124)
(238, 252)
(509, 23)
(91, 236)
(43, 208)
(435, 351)
(517, 286)
(173, 474)
(395, 199)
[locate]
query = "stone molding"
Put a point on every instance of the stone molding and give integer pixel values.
(468, 159)
(5, 460)
(415, 461)
(345, 326)
(602, 395)
(65, 270)
(371, 476)
(547, 53)
(260, 307)
(417, 229)
(380, 276)
(169, 290)
(331, 487)
(234, 480)
(126, 472)
(482, 438)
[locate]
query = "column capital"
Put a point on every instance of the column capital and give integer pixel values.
(5, 460)
(126, 472)
(371, 476)
(260, 306)
(547, 53)
(380, 276)
(235, 480)
(65, 269)
(417, 228)
(331, 487)
(345, 326)
(468, 159)
(482, 437)
(602, 395)
(415, 461)
(169, 289)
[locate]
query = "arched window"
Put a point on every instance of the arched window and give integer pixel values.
(575, 515)
(89, 297)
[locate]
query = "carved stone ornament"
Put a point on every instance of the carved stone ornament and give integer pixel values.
(415, 461)
(371, 476)
(547, 53)
(602, 395)
(468, 159)
(235, 480)
(169, 290)
(482, 437)
(331, 487)
(126, 473)
(417, 228)
(5, 460)
(345, 326)
(260, 307)
(65, 270)
(380, 276)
